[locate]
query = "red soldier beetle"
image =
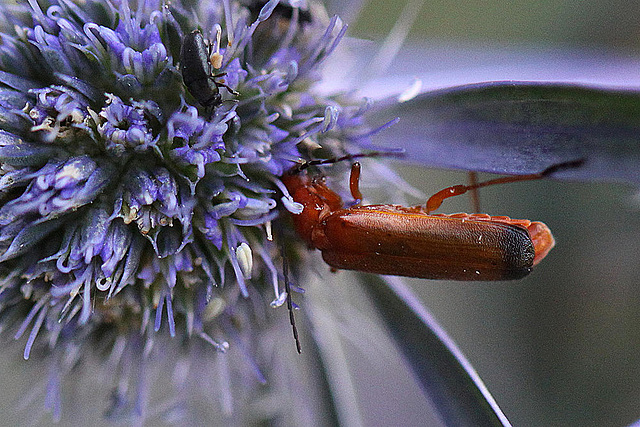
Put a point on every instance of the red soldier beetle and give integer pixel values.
(411, 241)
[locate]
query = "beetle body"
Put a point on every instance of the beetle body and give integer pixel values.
(196, 71)
(406, 241)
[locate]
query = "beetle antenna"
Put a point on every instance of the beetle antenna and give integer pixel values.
(287, 289)
(308, 163)
(436, 200)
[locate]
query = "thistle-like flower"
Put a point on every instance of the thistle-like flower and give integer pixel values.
(134, 222)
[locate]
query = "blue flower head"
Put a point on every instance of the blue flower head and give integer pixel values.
(133, 220)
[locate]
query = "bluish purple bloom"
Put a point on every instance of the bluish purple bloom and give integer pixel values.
(133, 222)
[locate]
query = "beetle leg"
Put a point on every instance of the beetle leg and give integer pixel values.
(475, 197)
(354, 183)
(219, 84)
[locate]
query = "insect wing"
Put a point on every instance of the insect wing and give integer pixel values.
(389, 239)
(196, 70)
(194, 59)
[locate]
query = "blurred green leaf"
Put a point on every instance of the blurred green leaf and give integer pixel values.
(445, 375)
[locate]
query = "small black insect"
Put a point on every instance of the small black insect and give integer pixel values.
(197, 73)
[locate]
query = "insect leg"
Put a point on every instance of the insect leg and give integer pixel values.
(219, 84)
(475, 197)
(354, 183)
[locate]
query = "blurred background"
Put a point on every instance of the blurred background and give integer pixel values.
(562, 346)
(605, 24)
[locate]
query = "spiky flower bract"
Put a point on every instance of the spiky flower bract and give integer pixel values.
(133, 221)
